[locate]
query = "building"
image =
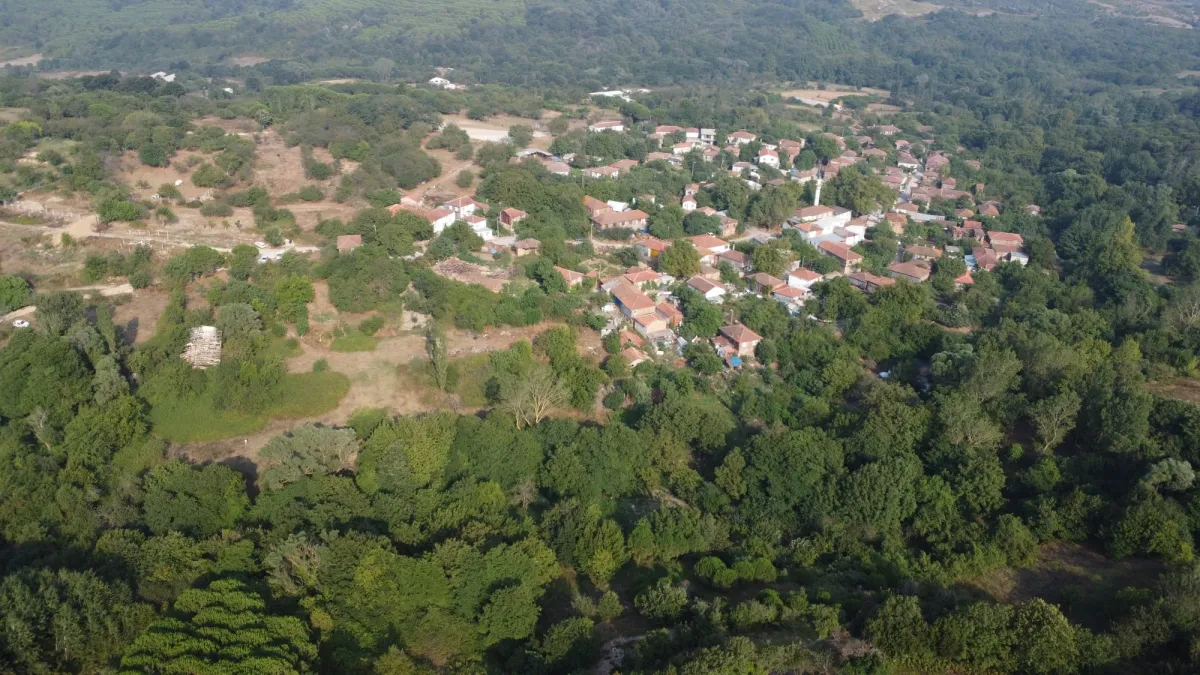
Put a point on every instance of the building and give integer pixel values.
(670, 313)
(607, 125)
(768, 158)
(711, 290)
(511, 216)
(714, 244)
(348, 242)
(599, 172)
(984, 258)
(803, 278)
(917, 252)
(765, 283)
(633, 356)
(914, 271)
(634, 219)
(526, 247)
(740, 261)
(742, 137)
(849, 259)
(650, 248)
(868, 282)
(461, 207)
(594, 206)
(649, 324)
(744, 340)
(624, 165)
(792, 298)
(1005, 239)
(811, 214)
(688, 203)
(631, 301)
(558, 168)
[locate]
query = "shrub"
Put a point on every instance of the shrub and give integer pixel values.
(465, 178)
(371, 326)
(216, 210)
(209, 175)
(140, 279)
(310, 193)
(273, 236)
(320, 366)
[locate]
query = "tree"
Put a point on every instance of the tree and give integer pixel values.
(14, 293)
(1045, 640)
(667, 222)
(772, 260)
(306, 451)
(194, 501)
(208, 175)
(681, 260)
(1054, 417)
(661, 602)
(465, 178)
(435, 349)
(521, 135)
(222, 628)
(535, 396)
(696, 223)
(58, 311)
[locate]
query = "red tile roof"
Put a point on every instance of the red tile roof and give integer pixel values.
(739, 334)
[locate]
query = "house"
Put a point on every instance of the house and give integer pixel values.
(633, 219)
(742, 137)
(461, 207)
(631, 301)
(989, 209)
(594, 206)
(849, 259)
(868, 282)
(918, 252)
(688, 203)
(897, 221)
(439, 218)
(633, 356)
(792, 298)
(708, 136)
(558, 168)
(744, 340)
(649, 249)
(624, 165)
(765, 283)
(887, 130)
(768, 158)
(729, 226)
(985, 258)
(479, 225)
(640, 275)
(525, 247)
(1033, 209)
(670, 313)
(656, 156)
(717, 246)
(608, 125)
(739, 167)
(511, 216)
(649, 324)
(916, 272)
(348, 242)
(709, 153)
(907, 161)
(740, 261)
(599, 172)
(711, 290)
(572, 277)
(803, 278)
(810, 214)
(964, 279)
(906, 207)
(663, 130)
(1005, 239)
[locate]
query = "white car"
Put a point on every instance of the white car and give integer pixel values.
(260, 244)
(20, 323)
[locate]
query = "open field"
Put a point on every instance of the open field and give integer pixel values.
(1182, 389)
(811, 95)
(873, 10)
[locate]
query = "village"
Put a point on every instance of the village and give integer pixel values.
(644, 307)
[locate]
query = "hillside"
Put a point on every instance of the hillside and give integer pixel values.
(569, 43)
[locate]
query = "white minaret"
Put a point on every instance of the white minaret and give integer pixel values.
(817, 196)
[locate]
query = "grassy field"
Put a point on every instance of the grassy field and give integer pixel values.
(195, 420)
(354, 341)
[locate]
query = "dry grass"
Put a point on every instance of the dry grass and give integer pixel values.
(1181, 389)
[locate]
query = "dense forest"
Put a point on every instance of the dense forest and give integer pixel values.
(597, 45)
(906, 484)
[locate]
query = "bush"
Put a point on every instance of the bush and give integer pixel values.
(209, 176)
(140, 279)
(465, 178)
(153, 155)
(216, 210)
(662, 602)
(371, 326)
(273, 236)
(320, 366)
(310, 193)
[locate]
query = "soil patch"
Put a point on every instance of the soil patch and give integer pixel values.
(248, 60)
(495, 129)
(23, 61)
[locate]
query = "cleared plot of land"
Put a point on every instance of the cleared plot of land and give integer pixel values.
(12, 114)
(1080, 581)
(248, 60)
(1182, 389)
(23, 61)
(874, 10)
(495, 129)
(830, 92)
